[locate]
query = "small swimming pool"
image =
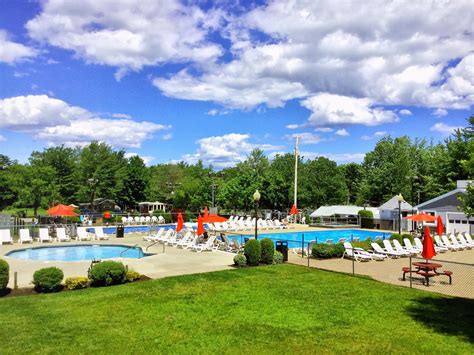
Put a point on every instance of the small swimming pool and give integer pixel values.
(78, 252)
(295, 239)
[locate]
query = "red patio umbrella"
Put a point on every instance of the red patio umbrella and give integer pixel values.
(179, 225)
(200, 228)
(206, 212)
(293, 210)
(61, 210)
(439, 226)
(422, 217)
(428, 246)
(211, 218)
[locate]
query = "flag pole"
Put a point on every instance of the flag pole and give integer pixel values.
(295, 200)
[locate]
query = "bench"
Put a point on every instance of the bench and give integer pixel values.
(405, 270)
(427, 276)
(448, 274)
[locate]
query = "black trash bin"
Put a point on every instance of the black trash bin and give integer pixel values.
(282, 247)
(120, 231)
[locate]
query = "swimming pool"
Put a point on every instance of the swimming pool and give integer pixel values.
(78, 252)
(295, 239)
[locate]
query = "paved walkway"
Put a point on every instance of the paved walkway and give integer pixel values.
(390, 271)
(172, 261)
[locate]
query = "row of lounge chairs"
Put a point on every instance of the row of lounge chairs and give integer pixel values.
(396, 250)
(242, 223)
(187, 239)
(44, 235)
(141, 220)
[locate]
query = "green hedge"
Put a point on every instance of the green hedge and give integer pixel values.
(401, 237)
(252, 251)
(48, 279)
(268, 249)
(107, 273)
(326, 251)
(4, 275)
(240, 260)
(366, 219)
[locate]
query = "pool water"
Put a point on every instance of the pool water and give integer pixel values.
(295, 239)
(78, 252)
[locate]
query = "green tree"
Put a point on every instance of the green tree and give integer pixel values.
(467, 201)
(134, 183)
(352, 173)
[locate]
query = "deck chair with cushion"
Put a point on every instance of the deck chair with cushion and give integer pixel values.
(44, 235)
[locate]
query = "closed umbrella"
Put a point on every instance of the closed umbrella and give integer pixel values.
(200, 227)
(206, 212)
(180, 223)
(439, 226)
(428, 247)
(293, 210)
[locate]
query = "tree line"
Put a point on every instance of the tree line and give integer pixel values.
(417, 169)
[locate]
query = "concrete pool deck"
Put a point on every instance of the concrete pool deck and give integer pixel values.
(171, 262)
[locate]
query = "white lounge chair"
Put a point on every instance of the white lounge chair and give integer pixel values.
(208, 245)
(379, 250)
(464, 242)
(154, 237)
(99, 234)
(455, 242)
(190, 242)
(25, 236)
(61, 235)
(5, 237)
(450, 246)
(438, 248)
(410, 247)
(468, 237)
(400, 249)
(44, 235)
(388, 247)
(82, 234)
(166, 236)
(183, 238)
(358, 254)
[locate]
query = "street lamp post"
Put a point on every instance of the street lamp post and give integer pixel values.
(400, 200)
(256, 198)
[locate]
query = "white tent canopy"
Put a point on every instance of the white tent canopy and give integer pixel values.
(342, 210)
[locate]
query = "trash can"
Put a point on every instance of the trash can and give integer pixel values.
(120, 231)
(282, 247)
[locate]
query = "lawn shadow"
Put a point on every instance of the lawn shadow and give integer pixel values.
(449, 316)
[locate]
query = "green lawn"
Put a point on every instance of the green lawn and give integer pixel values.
(273, 309)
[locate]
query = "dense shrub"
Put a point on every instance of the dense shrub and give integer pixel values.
(240, 260)
(366, 219)
(268, 249)
(325, 251)
(48, 279)
(107, 273)
(277, 257)
(131, 276)
(4, 274)
(401, 237)
(166, 215)
(252, 251)
(76, 283)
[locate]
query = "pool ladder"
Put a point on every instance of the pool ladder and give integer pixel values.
(136, 245)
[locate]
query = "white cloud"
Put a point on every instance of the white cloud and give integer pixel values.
(342, 132)
(20, 74)
(324, 129)
(11, 52)
(122, 115)
(2, 138)
(337, 157)
(292, 126)
(57, 122)
(306, 138)
(216, 112)
(146, 159)
(444, 129)
(377, 134)
(330, 109)
(127, 34)
(225, 151)
(405, 112)
(167, 136)
(439, 112)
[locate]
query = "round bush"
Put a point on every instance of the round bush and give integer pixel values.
(277, 257)
(76, 283)
(131, 276)
(252, 251)
(107, 273)
(268, 249)
(48, 279)
(4, 274)
(240, 260)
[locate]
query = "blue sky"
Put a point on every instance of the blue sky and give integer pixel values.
(174, 80)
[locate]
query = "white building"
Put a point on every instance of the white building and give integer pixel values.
(150, 207)
(447, 206)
